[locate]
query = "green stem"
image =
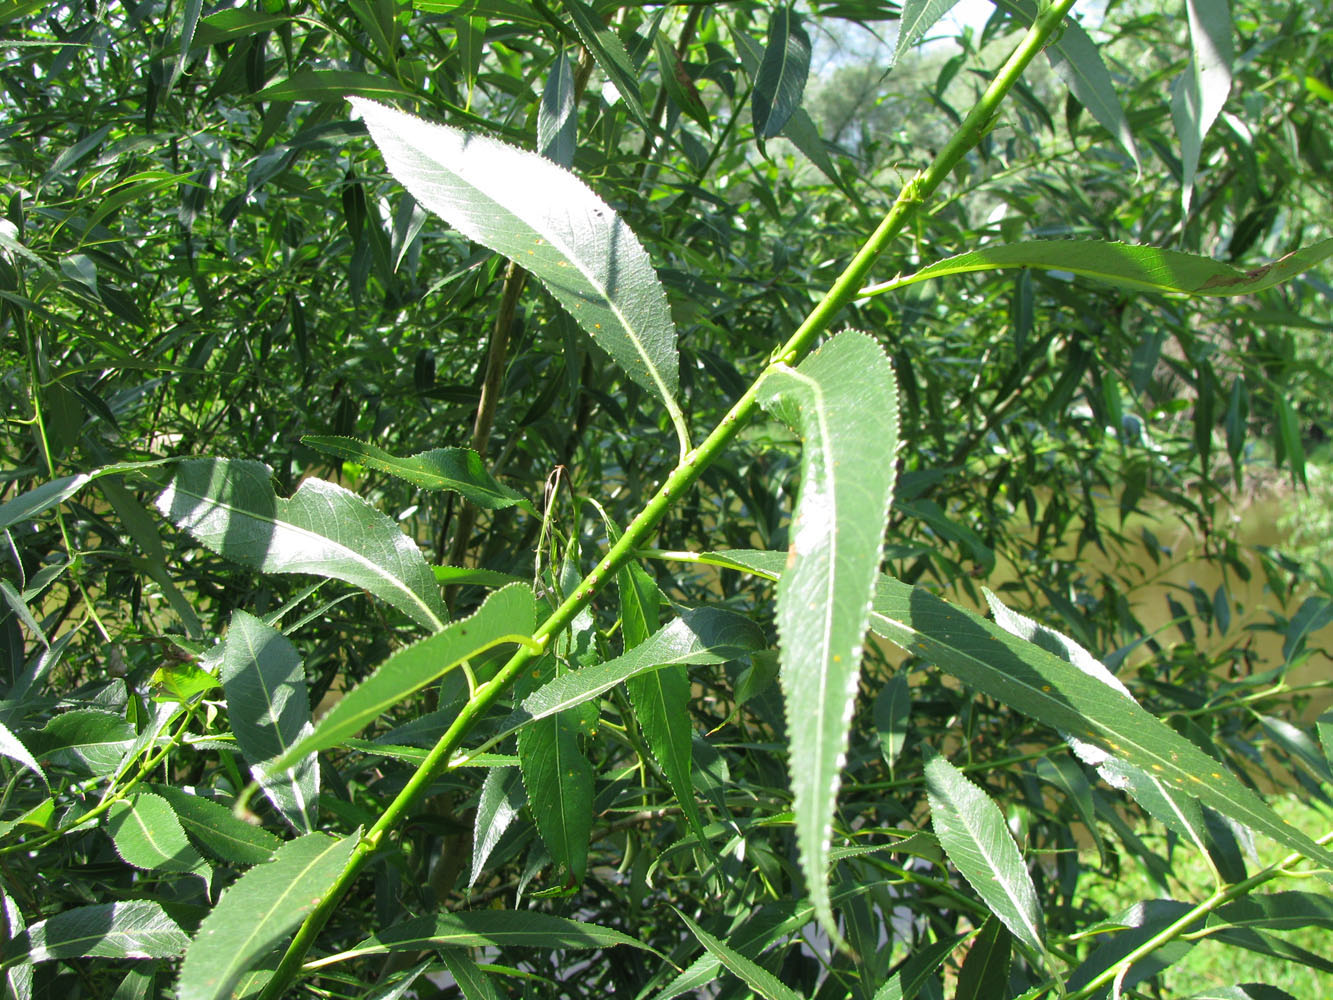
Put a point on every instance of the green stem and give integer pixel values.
(1181, 926)
(691, 466)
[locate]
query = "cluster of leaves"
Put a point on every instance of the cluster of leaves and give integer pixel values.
(332, 491)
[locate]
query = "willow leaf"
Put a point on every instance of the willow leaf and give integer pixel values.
(1046, 687)
(455, 470)
(1137, 267)
(540, 215)
(216, 831)
(918, 17)
(148, 835)
(843, 402)
(782, 72)
(1200, 92)
(264, 681)
(258, 911)
(508, 615)
(485, 928)
(134, 929)
(972, 831)
(751, 973)
(230, 507)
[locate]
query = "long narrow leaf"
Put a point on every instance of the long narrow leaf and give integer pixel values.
(258, 911)
(973, 833)
(508, 615)
(753, 975)
(530, 210)
(134, 929)
(780, 84)
(230, 507)
(1200, 92)
(264, 681)
(1136, 267)
(455, 470)
(843, 401)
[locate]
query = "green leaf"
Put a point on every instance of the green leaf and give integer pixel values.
(1200, 92)
(843, 401)
(44, 497)
(474, 984)
(913, 974)
(918, 17)
(1047, 688)
(893, 706)
(88, 740)
(557, 122)
(332, 85)
(258, 912)
(780, 84)
(264, 681)
(559, 783)
(134, 929)
(218, 832)
(608, 51)
(148, 835)
(1075, 58)
(753, 975)
(972, 831)
(677, 82)
(541, 216)
(508, 615)
(699, 635)
(984, 974)
(455, 470)
(499, 804)
(485, 928)
(1279, 911)
(12, 747)
(230, 507)
(1137, 267)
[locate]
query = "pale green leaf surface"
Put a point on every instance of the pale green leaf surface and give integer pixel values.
(1048, 688)
(488, 928)
(506, 616)
(1200, 92)
(230, 507)
(843, 401)
(1075, 58)
(780, 83)
(85, 739)
(753, 975)
(609, 52)
(12, 747)
(972, 831)
(1137, 267)
(498, 806)
(456, 470)
(700, 635)
(134, 929)
(148, 835)
(46, 496)
(559, 783)
(918, 17)
(907, 981)
(540, 215)
(216, 831)
(258, 911)
(893, 705)
(557, 122)
(264, 681)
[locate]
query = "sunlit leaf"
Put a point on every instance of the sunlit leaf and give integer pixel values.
(456, 470)
(843, 402)
(135, 929)
(230, 507)
(754, 976)
(559, 783)
(918, 17)
(258, 912)
(264, 681)
(973, 833)
(541, 216)
(508, 615)
(148, 835)
(1135, 267)
(1200, 92)
(216, 831)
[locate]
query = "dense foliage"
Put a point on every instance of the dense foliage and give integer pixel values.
(436, 561)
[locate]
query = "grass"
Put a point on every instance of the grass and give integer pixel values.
(1212, 963)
